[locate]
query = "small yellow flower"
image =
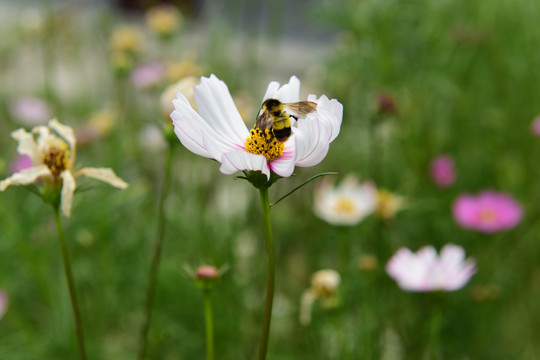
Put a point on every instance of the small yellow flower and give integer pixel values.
(164, 20)
(126, 39)
(176, 71)
(388, 204)
(52, 152)
(185, 87)
(324, 284)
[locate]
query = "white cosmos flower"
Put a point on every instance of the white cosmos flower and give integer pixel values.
(52, 152)
(425, 271)
(218, 132)
(347, 203)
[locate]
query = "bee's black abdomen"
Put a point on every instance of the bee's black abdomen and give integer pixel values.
(282, 134)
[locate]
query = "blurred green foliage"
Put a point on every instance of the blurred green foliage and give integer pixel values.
(465, 79)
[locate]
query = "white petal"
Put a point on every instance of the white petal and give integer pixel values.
(191, 130)
(240, 160)
(103, 174)
(289, 92)
(312, 141)
(329, 111)
(68, 188)
(216, 107)
(65, 132)
(27, 145)
(26, 176)
(284, 165)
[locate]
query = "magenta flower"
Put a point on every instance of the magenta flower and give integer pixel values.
(3, 303)
(425, 271)
(535, 126)
(488, 212)
(20, 162)
(443, 171)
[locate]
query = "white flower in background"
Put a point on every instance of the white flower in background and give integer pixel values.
(347, 203)
(324, 285)
(52, 152)
(218, 132)
(3, 303)
(425, 271)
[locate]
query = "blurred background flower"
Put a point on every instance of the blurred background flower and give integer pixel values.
(3, 303)
(30, 111)
(425, 271)
(487, 212)
(442, 170)
(324, 285)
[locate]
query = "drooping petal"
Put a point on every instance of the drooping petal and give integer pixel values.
(26, 176)
(284, 165)
(104, 174)
(191, 130)
(216, 107)
(240, 160)
(67, 134)
(287, 93)
(68, 188)
(27, 145)
(312, 141)
(329, 111)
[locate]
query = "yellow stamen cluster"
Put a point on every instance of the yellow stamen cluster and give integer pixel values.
(264, 143)
(57, 159)
(344, 205)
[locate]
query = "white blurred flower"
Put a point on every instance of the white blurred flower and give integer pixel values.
(324, 284)
(52, 152)
(30, 111)
(425, 271)
(347, 203)
(151, 138)
(218, 132)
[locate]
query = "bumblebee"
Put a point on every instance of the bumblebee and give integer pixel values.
(274, 117)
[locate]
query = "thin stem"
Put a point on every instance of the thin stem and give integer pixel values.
(71, 285)
(209, 326)
(299, 186)
(156, 257)
(265, 206)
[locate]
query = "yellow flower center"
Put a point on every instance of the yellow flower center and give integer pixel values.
(264, 143)
(488, 215)
(57, 158)
(344, 205)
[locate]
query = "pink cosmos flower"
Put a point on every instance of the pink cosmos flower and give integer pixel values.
(3, 303)
(488, 212)
(425, 271)
(148, 74)
(535, 126)
(20, 162)
(218, 132)
(443, 171)
(30, 111)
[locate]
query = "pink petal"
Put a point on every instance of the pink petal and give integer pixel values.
(284, 165)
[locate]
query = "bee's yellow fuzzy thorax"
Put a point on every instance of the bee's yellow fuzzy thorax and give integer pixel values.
(263, 143)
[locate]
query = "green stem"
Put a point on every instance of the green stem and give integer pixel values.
(265, 206)
(71, 285)
(156, 257)
(209, 326)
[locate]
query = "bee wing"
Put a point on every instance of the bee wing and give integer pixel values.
(301, 108)
(264, 121)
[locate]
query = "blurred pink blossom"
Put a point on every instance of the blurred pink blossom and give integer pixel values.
(535, 126)
(443, 171)
(425, 271)
(30, 111)
(3, 303)
(488, 212)
(148, 74)
(20, 162)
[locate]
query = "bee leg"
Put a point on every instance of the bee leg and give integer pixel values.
(294, 117)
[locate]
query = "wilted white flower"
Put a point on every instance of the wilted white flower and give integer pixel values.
(52, 152)
(217, 131)
(347, 203)
(324, 284)
(425, 271)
